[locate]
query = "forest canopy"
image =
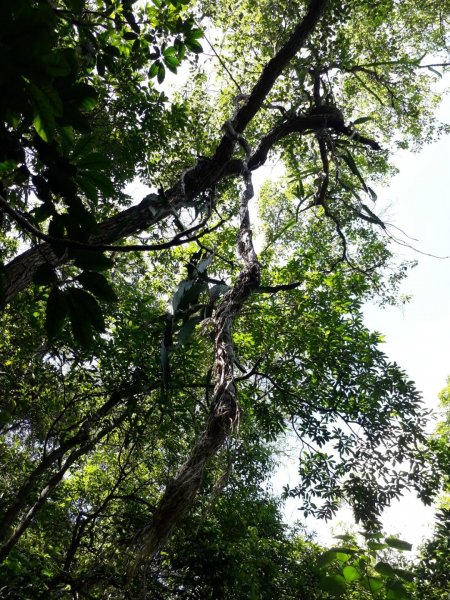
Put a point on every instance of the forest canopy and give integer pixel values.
(156, 351)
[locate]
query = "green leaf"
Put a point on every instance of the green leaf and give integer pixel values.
(92, 260)
(351, 573)
(183, 287)
(44, 114)
(326, 558)
(376, 545)
(98, 285)
(55, 312)
(172, 63)
(84, 95)
(373, 584)
(43, 212)
(66, 134)
(181, 49)
(57, 64)
(335, 585)
(340, 554)
(369, 535)
(154, 69)
(84, 145)
(93, 161)
(98, 180)
(7, 166)
(395, 590)
(170, 51)
(161, 73)
(187, 329)
(44, 275)
(345, 551)
(194, 46)
(398, 544)
(195, 34)
(405, 575)
(81, 328)
(385, 569)
(88, 187)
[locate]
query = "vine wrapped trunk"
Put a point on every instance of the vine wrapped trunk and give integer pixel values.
(224, 413)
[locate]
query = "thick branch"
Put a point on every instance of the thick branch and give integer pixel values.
(177, 240)
(152, 209)
(201, 177)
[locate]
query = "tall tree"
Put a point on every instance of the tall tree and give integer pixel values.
(128, 330)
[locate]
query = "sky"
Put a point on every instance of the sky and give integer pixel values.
(417, 336)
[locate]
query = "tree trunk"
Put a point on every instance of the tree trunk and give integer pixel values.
(224, 413)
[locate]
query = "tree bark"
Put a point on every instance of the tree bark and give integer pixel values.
(224, 413)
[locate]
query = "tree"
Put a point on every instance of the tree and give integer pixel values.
(432, 571)
(128, 330)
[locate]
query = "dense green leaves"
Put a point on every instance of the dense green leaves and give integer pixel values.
(351, 573)
(109, 362)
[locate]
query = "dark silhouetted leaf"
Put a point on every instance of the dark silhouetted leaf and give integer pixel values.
(362, 120)
(98, 285)
(56, 312)
(385, 569)
(398, 544)
(44, 275)
(187, 329)
(92, 260)
(93, 161)
(87, 307)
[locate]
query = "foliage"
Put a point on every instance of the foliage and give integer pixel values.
(152, 354)
(351, 570)
(432, 571)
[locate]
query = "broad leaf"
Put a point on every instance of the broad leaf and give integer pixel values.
(56, 312)
(98, 285)
(398, 544)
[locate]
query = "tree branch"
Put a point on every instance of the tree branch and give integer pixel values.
(177, 240)
(202, 176)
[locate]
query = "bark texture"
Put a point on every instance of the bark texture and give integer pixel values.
(224, 413)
